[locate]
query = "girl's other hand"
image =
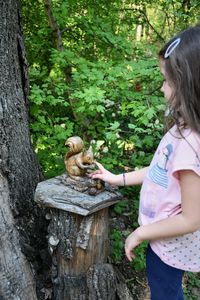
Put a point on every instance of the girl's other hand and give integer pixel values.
(104, 175)
(132, 241)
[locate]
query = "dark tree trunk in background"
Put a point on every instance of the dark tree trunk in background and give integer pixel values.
(22, 225)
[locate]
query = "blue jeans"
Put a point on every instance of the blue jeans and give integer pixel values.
(165, 282)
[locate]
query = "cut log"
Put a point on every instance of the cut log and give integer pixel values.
(78, 241)
(81, 241)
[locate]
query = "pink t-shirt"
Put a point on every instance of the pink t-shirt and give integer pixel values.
(160, 196)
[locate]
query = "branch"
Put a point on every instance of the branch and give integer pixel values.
(53, 24)
(152, 27)
(146, 18)
(59, 44)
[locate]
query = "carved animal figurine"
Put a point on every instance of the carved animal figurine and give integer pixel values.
(77, 160)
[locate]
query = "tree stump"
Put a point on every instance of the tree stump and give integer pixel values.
(78, 241)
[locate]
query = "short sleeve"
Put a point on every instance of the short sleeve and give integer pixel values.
(187, 155)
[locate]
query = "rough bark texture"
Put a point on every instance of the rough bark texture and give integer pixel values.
(20, 219)
(78, 238)
(80, 248)
(83, 241)
(101, 281)
(16, 278)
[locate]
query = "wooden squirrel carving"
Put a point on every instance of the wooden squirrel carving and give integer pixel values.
(77, 160)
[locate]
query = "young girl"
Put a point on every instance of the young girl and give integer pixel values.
(169, 213)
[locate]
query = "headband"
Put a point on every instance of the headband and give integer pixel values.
(172, 47)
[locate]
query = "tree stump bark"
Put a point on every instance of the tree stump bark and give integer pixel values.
(19, 169)
(78, 241)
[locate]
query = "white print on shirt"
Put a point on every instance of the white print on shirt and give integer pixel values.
(158, 177)
(158, 173)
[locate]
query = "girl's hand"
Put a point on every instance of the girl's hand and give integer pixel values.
(104, 175)
(132, 241)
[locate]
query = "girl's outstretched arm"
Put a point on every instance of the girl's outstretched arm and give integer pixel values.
(130, 178)
(187, 221)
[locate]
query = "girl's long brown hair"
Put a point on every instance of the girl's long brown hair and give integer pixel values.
(182, 67)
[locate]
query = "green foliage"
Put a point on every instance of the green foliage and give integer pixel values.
(118, 96)
(139, 263)
(49, 126)
(193, 282)
(103, 82)
(117, 245)
(96, 75)
(120, 207)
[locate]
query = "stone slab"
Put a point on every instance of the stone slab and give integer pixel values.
(53, 193)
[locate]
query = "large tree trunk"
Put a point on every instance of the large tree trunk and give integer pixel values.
(16, 279)
(20, 221)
